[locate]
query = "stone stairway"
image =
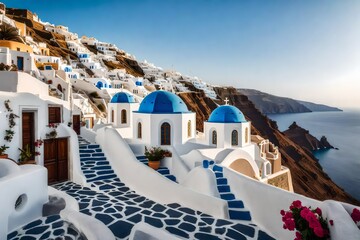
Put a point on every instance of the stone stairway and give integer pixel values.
(120, 208)
(162, 170)
(237, 211)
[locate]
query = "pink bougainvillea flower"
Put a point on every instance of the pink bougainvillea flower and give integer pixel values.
(355, 215)
(318, 211)
(319, 232)
(297, 204)
(331, 222)
(282, 212)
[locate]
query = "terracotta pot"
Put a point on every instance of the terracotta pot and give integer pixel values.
(4, 156)
(27, 162)
(154, 164)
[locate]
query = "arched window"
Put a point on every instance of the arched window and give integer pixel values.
(112, 115)
(234, 138)
(189, 128)
(139, 135)
(123, 116)
(59, 88)
(165, 134)
(246, 135)
(214, 137)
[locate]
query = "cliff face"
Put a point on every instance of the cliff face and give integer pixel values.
(268, 103)
(307, 174)
(303, 138)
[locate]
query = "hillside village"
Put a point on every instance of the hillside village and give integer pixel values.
(79, 118)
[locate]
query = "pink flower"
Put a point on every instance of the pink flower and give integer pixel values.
(319, 231)
(288, 215)
(298, 236)
(282, 212)
(304, 212)
(355, 215)
(331, 222)
(290, 224)
(297, 204)
(318, 211)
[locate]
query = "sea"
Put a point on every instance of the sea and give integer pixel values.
(342, 130)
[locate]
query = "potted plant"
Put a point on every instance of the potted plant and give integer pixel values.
(154, 156)
(26, 156)
(53, 132)
(2, 151)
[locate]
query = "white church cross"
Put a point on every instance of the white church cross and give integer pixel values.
(226, 101)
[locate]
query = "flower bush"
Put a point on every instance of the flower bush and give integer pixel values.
(38, 143)
(53, 132)
(309, 223)
(155, 153)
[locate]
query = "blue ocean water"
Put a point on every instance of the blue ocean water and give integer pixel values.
(342, 130)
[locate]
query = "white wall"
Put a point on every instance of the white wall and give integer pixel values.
(265, 203)
(151, 126)
(29, 181)
(148, 182)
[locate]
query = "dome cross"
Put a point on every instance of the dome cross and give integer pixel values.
(226, 101)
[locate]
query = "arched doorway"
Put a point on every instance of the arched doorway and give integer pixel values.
(243, 166)
(165, 134)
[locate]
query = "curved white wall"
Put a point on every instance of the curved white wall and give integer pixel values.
(148, 182)
(265, 203)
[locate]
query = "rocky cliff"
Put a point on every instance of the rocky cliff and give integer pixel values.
(269, 104)
(303, 138)
(308, 177)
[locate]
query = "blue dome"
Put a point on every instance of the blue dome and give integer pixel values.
(162, 102)
(122, 97)
(227, 114)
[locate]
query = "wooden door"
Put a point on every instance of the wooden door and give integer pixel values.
(76, 124)
(62, 158)
(50, 159)
(56, 159)
(28, 130)
(20, 63)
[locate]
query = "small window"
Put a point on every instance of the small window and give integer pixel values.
(214, 137)
(246, 135)
(165, 134)
(139, 135)
(54, 115)
(112, 116)
(234, 138)
(123, 116)
(189, 128)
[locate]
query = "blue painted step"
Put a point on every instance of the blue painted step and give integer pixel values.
(219, 174)
(236, 204)
(217, 168)
(93, 146)
(171, 177)
(98, 154)
(86, 151)
(240, 215)
(221, 181)
(227, 196)
(223, 188)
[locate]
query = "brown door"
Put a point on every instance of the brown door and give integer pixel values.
(76, 124)
(28, 130)
(62, 157)
(56, 159)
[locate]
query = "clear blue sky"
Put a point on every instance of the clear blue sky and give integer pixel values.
(305, 49)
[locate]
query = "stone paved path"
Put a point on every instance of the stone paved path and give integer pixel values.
(120, 208)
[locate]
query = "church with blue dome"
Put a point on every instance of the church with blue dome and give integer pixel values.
(162, 119)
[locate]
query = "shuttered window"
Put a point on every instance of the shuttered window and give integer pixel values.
(54, 115)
